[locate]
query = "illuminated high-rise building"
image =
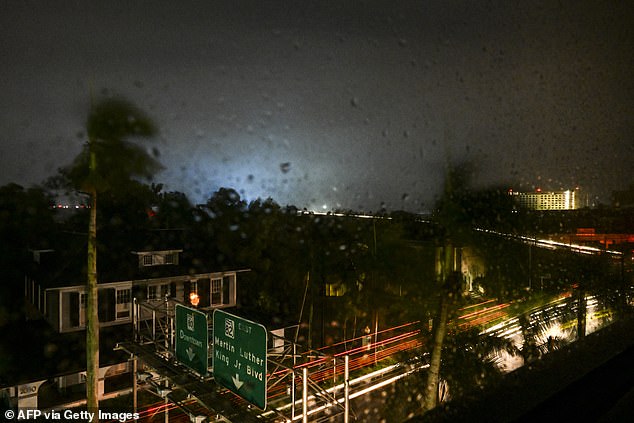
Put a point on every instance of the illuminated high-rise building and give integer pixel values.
(547, 200)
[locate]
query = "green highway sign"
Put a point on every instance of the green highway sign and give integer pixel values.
(239, 357)
(191, 338)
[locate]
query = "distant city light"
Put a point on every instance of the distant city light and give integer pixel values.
(70, 206)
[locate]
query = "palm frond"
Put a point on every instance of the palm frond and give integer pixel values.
(110, 124)
(116, 118)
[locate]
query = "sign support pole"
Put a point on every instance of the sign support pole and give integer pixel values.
(304, 395)
(134, 383)
(346, 384)
(293, 388)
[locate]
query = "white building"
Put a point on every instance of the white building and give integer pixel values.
(547, 200)
(64, 307)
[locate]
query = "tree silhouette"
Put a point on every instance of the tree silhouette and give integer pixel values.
(107, 162)
(455, 219)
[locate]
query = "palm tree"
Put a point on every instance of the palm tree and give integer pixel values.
(454, 222)
(106, 163)
(470, 363)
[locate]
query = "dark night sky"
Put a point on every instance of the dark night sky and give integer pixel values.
(331, 104)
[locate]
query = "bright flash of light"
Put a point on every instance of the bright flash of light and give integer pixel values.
(554, 331)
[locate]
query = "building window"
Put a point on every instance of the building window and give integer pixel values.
(335, 289)
(158, 292)
(152, 292)
(165, 290)
(83, 300)
(124, 297)
(216, 292)
(158, 258)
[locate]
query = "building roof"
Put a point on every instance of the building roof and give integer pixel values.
(117, 258)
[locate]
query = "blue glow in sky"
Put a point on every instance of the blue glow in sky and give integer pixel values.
(366, 102)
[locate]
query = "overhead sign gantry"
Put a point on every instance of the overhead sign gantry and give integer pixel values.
(239, 357)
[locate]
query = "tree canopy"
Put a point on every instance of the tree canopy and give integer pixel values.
(112, 125)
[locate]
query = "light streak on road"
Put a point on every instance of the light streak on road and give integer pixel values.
(370, 349)
(339, 389)
(553, 245)
(481, 317)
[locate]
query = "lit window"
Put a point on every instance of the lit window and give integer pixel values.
(335, 289)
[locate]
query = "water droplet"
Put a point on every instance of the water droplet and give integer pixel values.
(285, 167)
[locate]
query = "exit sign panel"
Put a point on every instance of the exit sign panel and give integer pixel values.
(191, 338)
(239, 356)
